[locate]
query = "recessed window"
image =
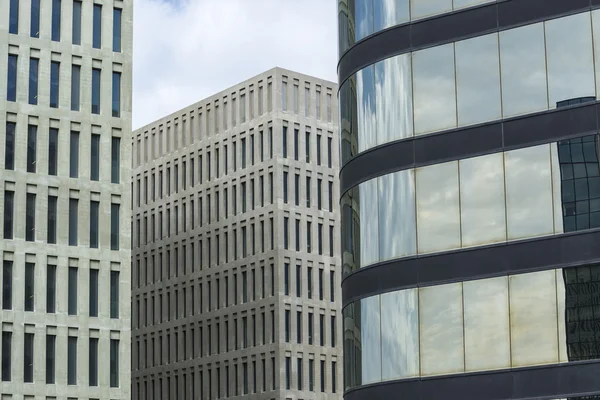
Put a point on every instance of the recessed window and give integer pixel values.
(114, 294)
(33, 80)
(28, 357)
(34, 30)
(51, 289)
(95, 158)
(74, 155)
(11, 90)
(56, 14)
(96, 74)
(115, 160)
(9, 198)
(72, 360)
(50, 359)
(6, 356)
(116, 94)
(7, 267)
(97, 27)
(73, 221)
(30, 217)
(76, 22)
(54, 83)
(114, 363)
(52, 213)
(72, 291)
(117, 16)
(114, 226)
(13, 24)
(75, 86)
(9, 147)
(94, 223)
(31, 148)
(93, 362)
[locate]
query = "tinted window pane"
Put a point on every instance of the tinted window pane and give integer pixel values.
(114, 226)
(367, 119)
(74, 155)
(76, 22)
(114, 294)
(50, 359)
(72, 292)
(52, 213)
(9, 198)
(6, 356)
(9, 148)
(116, 94)
(97, 28)
(51, 289)
(31, 148)
(93, 362)
(30, 217)
(94, 218)
(7, 283)
(117, 13)
(115, 164)
(13, 25)
(56, 12)
(388, 13)
(35, 19)
(95, 158)
(424, 8)
(369, 250)
(370, 323)
(54, 83)
(28, 357)
(11, 91)
(114, 363)
(75, 86)
(73, 210)
(95, 91)
(72, 360)
(33, 80)
(93, 292)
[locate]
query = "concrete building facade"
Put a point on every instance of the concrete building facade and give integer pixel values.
(235, 239)
(65, 126)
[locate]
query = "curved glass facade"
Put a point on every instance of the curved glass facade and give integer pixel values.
(358, 19)
(473, 81)
(511, 321)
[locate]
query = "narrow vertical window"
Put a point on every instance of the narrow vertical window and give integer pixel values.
(51, 289)
(114, 363)
(72, 360)
(35, 19)
(11, 89)
(286, 279)
(287, 323)
(52, 212)
(52, 151)
(114, 226)
(288, 367)
(96, 73)
(329, 152)
(93, 362)
(285, 187)
(285, 232)
(97, 27)
(284, 96)
(6, 356)
(29, 286)
(296, 151)
(318, 104)
(94, 221)
(306, 102)
(7, 274)
(95, 158)
(28, 358)
(72, 291)
(93, 292)
(117, 14)
(116, 94)
(56, 14)
(34, 64)
(114, 294)
(318, 149)
(9, 146)
(115, 160)
(295, 98)
(332, 331)
(13, 24)
(322, 375)
(328, 107)
(54, 83)
(50, 359)
(76, 22)
(284, 142)
(31, 148)
(75, 86)
(74, 155)
(9, 199)
(73, 221)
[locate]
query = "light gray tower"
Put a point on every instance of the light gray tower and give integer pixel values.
(235, 266)
(65, 127)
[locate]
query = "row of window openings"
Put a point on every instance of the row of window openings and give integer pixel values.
(11, 93)
(309, 282)
(287, 324)
(308, 195)
(309, 248)
(52, 220)
(296, 139)
(53, 148)
(34, 27)
(51, 289)
(51, 356)
(295, 94)
(158, 387)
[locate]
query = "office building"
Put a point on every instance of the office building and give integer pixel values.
(470, 198)
(235, 273)
(65, 126)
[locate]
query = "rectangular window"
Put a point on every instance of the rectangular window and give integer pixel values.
(286, 233)
(322, 376)
(9, 198)
(7, 285)
(72, 360)
(114, 226)
(95, 158)
(31, 148)
(115, 160)
(29, 286)
(75, 85)
(299, 372)
(76, 22)
(320, 239)
(54, 82)
(30, 217)
(308, 236)
(319, 193)
(114, 294)
(35, 19)
(285, 187)
(333, 377)
(74, 155)
(295, 98)
(328, 107)
(72, 291)
(287, 323)
(73, 221)
(318, 149)
(308, 191)
(117, 16)
(34, 65)
(9, 147)
(330, 190)
(6, 356)
(97, 27)
(56, 14)
(52, 213)
(51, 289)
(243, 153)
(311, 375)
(288, 367)
(321, 330)
(318, 104)
(28, 358)
(299, 326)
(93, 362)
(96, 74)
(306, 102)
(329, 152)
(50, 359)
(286, 279)
(284, 96)
(296, 144)
(93, 292)
(11, 90)
(284, 142)
(13, 25)
(297, 189)
(332, 331)
(309, 282)
(52, 151)
(116, 94)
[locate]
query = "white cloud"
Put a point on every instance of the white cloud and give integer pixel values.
(186, 50)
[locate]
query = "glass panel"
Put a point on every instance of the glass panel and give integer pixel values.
(468, 3)
(370, 340)
(117, 13)
(97, 28)
(424, 8)
(388, 13)
(76, 34)
(96, 91)
(528, 192)
(556, 189)
(369, 248)
(434, 89)
(441, 328)
(116, 94)
(393, 92)
(56, 15)
(367, 120)
(363, 18)
(399, 334)
(487, 336)
(482, 200)
(54, 83)
(397, 219)
(438, 218)
(568, 39)
(478, 80)
(533, 318)
(523, 64)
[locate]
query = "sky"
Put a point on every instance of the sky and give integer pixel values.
(187, 50)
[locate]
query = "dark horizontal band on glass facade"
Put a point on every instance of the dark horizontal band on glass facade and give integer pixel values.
(454, 26)
(518, 132)
(549, 382)
(510, 258)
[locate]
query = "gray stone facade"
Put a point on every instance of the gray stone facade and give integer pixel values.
(65, 280)
(226, 302)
